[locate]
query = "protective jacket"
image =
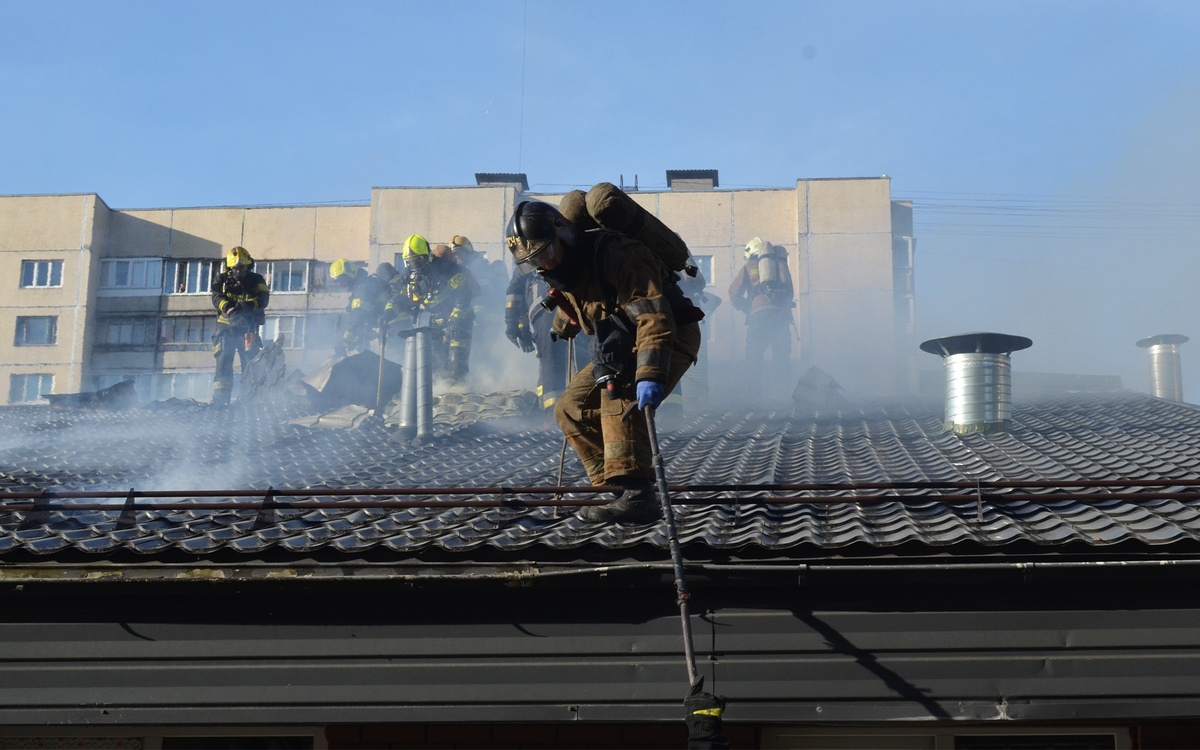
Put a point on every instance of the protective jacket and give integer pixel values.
(747, 293)
(240, 298)
(488, 277)
(368, 296)
(610, 282)
(614, 275)
(439, 288)
(523, 290)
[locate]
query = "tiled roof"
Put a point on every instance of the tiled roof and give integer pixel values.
(187, 446)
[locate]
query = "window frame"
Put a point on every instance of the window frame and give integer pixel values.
(204, 325)
(269, 272)
(154, 268)
(171, 271)
(271, 330)
(54, 267)
(23, 378)
(150, 333)
(21, 336)
(705, 264)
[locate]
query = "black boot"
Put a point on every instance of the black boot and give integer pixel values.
(637, 504)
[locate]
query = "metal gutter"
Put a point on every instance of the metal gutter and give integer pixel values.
(524, 574)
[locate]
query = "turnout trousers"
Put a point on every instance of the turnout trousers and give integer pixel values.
(553, 359)
(229, 342)
(608, 446)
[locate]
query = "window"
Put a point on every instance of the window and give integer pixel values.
(126, 332)
(704, 263)
(291, 327)
(320, 276)
(323, 331)
(189, 331)
(182, 385)
(188, 276)
(287, 275)
(36, 330)
(28, 389)
(41, 273)
(130, 277)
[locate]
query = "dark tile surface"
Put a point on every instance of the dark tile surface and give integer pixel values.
(192, 447)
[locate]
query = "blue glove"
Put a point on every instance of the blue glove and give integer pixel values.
(650, 393)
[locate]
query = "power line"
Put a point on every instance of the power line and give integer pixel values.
(1007, 215)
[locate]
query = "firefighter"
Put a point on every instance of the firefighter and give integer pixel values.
(369, 294)
(240, 296)
(646, 336)
(528, 325)
(762, 289)
(489, 276)
(439, 287)
(490, 279)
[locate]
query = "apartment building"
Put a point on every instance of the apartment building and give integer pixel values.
(98, 295)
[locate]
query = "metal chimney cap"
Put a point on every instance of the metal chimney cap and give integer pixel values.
(976, 343)
(1162, 338)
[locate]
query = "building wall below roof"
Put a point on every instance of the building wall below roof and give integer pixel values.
(598, 651)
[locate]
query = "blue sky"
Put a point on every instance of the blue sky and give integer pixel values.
(1051, 148)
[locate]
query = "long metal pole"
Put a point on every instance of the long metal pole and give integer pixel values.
(681, 590)
(562, 456)
(383, 337)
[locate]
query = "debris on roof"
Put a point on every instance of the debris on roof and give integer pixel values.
(113, 398)
(353, 380)
(348, 417)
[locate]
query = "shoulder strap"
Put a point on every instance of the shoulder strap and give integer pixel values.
(606, 289)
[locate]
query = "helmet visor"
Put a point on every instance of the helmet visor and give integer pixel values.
(543, 255)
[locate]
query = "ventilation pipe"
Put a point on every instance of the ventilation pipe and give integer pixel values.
(1166, 375)
(416, 391)
(978, 380)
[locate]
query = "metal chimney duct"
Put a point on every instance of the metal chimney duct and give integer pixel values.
(978, 380)
(416, 390)
(1166, 375)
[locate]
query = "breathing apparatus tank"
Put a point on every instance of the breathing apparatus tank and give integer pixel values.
(773, 274)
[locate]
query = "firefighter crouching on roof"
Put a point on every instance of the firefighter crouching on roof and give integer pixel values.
(617, 289)
(528, 324)
(240, 296)
(439, 287)
(368, 296)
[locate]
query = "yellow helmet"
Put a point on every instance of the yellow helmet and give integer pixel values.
(458, 243)
(757, 247)
(416, 245)
(238, 256)
(342, 267)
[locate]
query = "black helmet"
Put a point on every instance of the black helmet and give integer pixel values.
(532, 228)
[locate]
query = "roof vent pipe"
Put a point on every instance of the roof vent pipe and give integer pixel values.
(978, 380)
(1166, 375)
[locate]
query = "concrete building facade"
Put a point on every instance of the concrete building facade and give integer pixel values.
(98, 295)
